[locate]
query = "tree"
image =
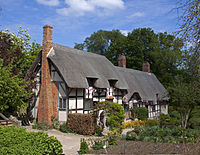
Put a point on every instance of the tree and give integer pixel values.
(190, 21)
(17, 54)
(163, 51)
(184, 97)
(13, 95)
(99, 41)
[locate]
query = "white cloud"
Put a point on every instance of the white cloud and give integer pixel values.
(136, 14)
(124, 32)
(80, 7)
(49, 2)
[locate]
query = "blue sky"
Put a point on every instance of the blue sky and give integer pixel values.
(74, 20)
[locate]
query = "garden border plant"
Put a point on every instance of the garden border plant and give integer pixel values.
(15, 140)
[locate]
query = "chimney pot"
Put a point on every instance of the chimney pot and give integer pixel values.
(122, 60)
(146, 67)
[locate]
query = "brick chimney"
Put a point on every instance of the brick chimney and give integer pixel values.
(146, 67)
(122, 60)
(48, 92)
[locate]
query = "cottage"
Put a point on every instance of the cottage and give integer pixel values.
(72, 81)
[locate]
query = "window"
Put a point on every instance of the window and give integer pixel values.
(153, 108)
(62, 103)
(88, 104)
(112, 83)
(91, 81)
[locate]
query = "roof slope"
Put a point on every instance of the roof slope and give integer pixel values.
(146, 84)
(76, 66)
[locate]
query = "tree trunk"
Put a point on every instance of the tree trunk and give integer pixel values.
(185, 117)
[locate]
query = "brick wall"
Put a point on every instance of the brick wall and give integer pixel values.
(48, 93)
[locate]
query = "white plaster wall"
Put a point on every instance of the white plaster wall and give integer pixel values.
(62, 116)
(119, 100)
(79, 102)
(95, 99)
(164, 109)
(72, 103)
(80, 111)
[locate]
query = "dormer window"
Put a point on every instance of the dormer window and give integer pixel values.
(112, 83)
(91, 81)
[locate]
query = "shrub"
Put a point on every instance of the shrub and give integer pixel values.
(84, 147)
(98, 145)
(151, 123)
(142, 113)
(134, 112)
(99, 131)
(115, 114)
(113, 136)
(81, 123)
(15, 140)
(41, 126)
(131, 135)
(175, 114)
(63, 127)
(55, 123)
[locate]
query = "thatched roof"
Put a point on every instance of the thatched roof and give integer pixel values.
(76, 66)
(144, 83)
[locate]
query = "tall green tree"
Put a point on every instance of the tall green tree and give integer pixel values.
(17, 54)
(99, 41)
(163, 51)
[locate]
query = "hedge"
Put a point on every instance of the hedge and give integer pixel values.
(15, 140)
(81, 123)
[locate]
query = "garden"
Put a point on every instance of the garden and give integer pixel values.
(144, 136)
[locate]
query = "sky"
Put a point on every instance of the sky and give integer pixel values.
(74, 20)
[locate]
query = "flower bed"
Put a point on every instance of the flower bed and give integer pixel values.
(133, 124)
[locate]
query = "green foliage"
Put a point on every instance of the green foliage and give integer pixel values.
(98, 145)
(63, 128)
(15, 140)
(194, 121)
(15, 51)
(99, 41)
(99, 131)
(55, 123)
(151, 123)
(130, 135)
(163, 51)
(115, 114)
(142, 113)
(185, 96)
(166, 135)
(134, 112)
(13, 95)
(167, 121)
(175, 114)
(84, 147)
(41, 126)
